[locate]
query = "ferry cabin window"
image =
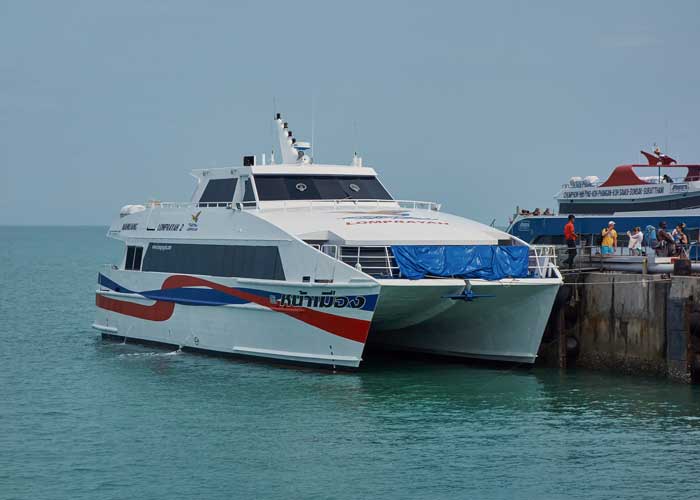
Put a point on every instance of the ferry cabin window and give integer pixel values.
(262, 262)
(248, 194)
(219, 191)
(133, 258)
(319, 187)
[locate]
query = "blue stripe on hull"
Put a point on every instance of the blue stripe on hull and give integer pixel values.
(193, 296)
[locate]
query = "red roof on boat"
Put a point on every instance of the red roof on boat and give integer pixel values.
(623, 175)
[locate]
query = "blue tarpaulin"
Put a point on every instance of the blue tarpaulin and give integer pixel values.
(472, 261)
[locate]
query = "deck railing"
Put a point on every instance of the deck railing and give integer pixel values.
(591, 256)
(542, 261)
(305, 205)
(650, 179)
(379, 261)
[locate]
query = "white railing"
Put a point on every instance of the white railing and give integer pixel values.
(187, 204)
(379, 260)
(310, 205)
(650, 179)
(591, 255)
(542, 261)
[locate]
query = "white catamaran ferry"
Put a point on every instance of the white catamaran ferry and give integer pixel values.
(309, 263)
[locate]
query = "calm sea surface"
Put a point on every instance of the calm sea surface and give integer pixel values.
(84, 418)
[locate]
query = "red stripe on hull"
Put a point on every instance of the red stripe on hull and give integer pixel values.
(349, 328)
(160, 311)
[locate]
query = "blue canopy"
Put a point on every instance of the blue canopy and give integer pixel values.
(472, 261)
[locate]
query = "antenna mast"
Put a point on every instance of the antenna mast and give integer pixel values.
(313, 128)
(292, 151)
(272, 131)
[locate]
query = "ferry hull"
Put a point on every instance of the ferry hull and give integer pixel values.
(505, 322)
(332, 336)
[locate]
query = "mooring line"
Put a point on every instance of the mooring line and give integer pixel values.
(620, 282)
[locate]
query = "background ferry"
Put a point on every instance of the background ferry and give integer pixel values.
(670, 192)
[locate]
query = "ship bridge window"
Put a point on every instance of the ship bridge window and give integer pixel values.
(240, 261)
(319, 187)
(133, 258)
(248, 194)
(219, 191)
(222, 191)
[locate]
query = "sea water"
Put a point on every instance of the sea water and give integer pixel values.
(84, 418)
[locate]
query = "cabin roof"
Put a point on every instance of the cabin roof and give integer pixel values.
(280, 169)
(624, 175)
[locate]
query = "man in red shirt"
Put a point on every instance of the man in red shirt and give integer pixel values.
(570, 237)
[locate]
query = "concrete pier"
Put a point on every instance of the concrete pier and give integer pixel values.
(631, 323)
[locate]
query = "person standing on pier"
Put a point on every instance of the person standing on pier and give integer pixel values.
(666, 244)
(651, 240)
(609, 242)
(635, 243)
(680, 239)
(570, 237)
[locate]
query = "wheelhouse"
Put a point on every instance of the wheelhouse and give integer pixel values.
(285, 183)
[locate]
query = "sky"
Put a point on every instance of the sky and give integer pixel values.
(481, 106)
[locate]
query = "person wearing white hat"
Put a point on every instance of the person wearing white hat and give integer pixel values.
(607, 246)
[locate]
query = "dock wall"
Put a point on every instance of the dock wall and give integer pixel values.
(631, 323)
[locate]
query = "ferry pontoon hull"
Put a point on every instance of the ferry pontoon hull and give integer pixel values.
(505, 322)
(243, 317)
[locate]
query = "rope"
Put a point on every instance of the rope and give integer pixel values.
(613, 282)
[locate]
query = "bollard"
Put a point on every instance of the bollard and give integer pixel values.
(681, 267)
